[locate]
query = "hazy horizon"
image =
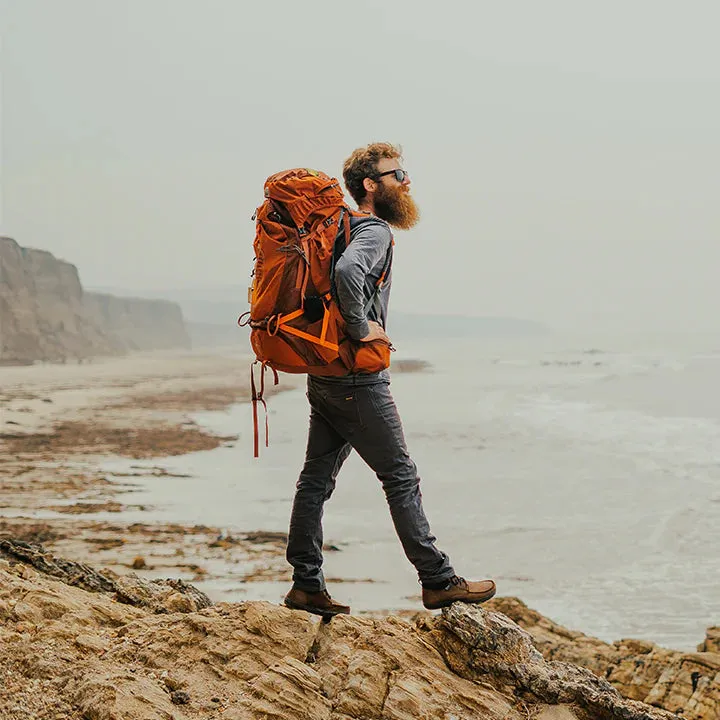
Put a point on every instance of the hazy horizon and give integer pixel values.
(565, 157)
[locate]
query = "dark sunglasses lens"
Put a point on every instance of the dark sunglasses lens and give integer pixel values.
(400, 175)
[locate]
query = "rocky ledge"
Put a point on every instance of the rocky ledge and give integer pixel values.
(82, 644)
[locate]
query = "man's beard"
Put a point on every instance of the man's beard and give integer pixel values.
(396, 206)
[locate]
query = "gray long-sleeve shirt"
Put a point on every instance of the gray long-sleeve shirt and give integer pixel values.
(357, 272)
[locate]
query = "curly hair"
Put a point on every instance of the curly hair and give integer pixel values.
(363, 164)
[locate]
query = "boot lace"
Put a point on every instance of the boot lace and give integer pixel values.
(458, 582)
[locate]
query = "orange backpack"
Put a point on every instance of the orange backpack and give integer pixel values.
(295, 321)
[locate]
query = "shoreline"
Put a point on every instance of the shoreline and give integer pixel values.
(61, 422)
(58, 427)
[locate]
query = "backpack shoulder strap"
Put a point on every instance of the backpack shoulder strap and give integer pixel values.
(374, 299)
(344, 236)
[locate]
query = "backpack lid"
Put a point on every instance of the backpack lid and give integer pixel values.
(303, 192)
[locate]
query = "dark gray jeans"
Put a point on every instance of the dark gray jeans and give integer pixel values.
(363, 417)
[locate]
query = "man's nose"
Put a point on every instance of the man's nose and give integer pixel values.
(406, 180)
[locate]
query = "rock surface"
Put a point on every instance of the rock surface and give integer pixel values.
(69, 653)
(157, 595)
(711, 642)
(46, 315)
(686, 683)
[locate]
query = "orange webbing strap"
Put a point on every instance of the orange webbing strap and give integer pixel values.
(309, 338)
(282, 319)
(257, 397)
(326, 321)
(282, 324)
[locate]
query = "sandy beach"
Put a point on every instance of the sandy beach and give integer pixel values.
(58, 422)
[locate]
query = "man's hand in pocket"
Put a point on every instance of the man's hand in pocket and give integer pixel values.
(376, 333)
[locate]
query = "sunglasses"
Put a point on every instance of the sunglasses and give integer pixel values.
(399, 174)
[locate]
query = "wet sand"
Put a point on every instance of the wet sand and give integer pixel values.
(58, 423)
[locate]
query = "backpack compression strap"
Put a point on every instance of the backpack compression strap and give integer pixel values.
(257, 397)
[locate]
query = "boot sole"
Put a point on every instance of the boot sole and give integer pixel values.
(448, 603)
(315, 610)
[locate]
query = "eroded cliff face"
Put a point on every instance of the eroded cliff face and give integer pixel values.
(137, 323)
(46, 316)
(41, 309)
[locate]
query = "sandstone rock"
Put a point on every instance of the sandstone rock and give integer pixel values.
(492, 648)
(556, 712)
(160, 595)
(686, 683)
(288, 689)
(691, 685)
(27, 612)
(98, 658)
(177, 602)
(92, 643)
(385, 668)
(711, 642)
(121, 696)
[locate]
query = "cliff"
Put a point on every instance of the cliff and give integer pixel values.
(80, 643)
(45, 314)
(137, 323)
(42, 315)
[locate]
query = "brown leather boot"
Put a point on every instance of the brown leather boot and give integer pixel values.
(319, 603)
(458, 590)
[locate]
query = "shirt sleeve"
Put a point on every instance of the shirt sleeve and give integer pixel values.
(369, 245)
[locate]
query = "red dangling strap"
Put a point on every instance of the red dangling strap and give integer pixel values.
(254, 399)
(258, 397)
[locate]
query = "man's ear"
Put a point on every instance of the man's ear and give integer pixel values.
(369, 185)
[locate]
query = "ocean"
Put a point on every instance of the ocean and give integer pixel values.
(581, 473)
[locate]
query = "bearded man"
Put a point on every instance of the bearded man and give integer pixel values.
(357, 411)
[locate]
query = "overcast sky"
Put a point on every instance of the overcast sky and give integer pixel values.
(565, 154)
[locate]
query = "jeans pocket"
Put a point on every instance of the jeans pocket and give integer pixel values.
(342, 407)
(380, 398)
